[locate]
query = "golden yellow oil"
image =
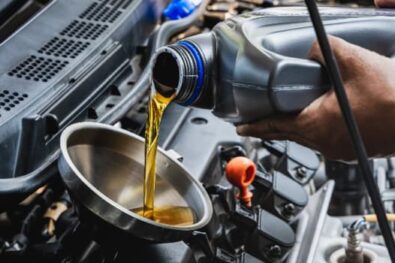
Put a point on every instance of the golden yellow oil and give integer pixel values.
(172, 215)
(167, 215)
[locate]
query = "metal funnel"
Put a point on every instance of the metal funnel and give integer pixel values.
(102, 167)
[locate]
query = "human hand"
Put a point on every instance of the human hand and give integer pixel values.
(369, 81)
(385, 3)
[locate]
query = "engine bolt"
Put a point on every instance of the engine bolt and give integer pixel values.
(354, 251)
(274, 251)
(301, 172)
(289, 210)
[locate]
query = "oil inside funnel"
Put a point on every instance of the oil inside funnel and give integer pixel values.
(122, 179)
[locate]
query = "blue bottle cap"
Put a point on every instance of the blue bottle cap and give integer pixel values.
(178, 9)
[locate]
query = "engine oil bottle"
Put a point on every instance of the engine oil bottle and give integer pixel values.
(255, 65)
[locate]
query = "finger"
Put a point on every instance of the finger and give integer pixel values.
(272, 125)
(294, 128)
(315, 53)
(288, 137)
(342, 50)
(385, 3)
(351, 59)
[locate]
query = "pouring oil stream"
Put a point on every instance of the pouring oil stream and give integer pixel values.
(172, 215)
(156, 107)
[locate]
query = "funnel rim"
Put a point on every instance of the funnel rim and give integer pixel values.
(208, 210)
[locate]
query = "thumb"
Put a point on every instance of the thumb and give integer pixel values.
(343, 51)
(280, 125)
(353, 60)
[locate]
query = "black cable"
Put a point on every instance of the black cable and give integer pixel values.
(359, 148)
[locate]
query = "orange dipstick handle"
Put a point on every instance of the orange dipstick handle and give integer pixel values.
(240, 171)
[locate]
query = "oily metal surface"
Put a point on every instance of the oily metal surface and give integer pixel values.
(102, 167)
(120, 178)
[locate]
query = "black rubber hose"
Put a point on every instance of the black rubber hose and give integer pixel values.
(160, 38)
(359, 147)
(14, 190)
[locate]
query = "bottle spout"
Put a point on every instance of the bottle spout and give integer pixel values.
(183, 69)
(166, 73)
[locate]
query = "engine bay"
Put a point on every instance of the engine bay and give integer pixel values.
(91, 64)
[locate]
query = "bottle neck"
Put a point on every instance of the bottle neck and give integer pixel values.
(179, 69)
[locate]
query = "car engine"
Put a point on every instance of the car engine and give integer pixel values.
(67, 61)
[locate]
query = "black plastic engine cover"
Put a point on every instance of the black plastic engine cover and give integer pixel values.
(54, 67)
